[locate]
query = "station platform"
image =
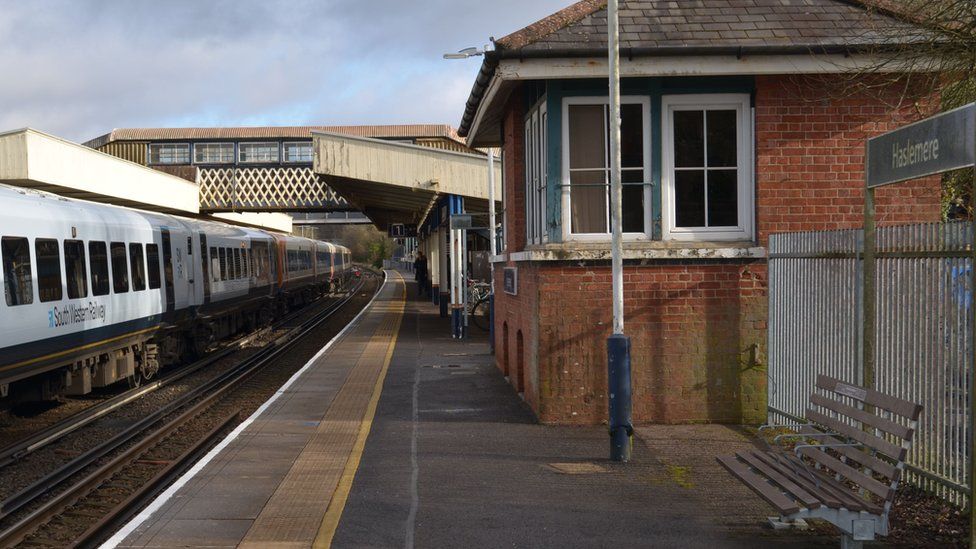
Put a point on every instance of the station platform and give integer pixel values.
(397, 435)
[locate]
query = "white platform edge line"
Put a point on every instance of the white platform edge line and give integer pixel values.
(162, 498)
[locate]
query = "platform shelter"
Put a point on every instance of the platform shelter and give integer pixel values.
(413, 192)
(36, 160)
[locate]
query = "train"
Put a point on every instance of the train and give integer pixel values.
(97, 294)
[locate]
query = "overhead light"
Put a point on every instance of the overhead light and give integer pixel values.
(464, 54)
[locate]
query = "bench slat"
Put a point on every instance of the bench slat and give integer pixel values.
(870, 396)
(826, 483)
(803, 496)
(854, 501)
(864, 458)
(851, 473)
(826, 497)
(867, 418)
(759, 485)
(871, 462)
(869, 440)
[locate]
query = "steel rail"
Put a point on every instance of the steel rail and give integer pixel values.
(42, 438)
(217, 387)
(53, 507)
(125, 509)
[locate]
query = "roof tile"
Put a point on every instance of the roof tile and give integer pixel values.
(805, 23)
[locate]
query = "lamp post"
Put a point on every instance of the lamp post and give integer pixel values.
(465, 54)
(618, 344)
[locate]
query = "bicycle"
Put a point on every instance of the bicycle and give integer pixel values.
(479, 304)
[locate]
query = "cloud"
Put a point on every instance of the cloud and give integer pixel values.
(78, 68)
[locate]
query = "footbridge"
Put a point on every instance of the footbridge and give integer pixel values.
(259, 169)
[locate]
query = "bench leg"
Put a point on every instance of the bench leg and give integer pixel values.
(847, 541)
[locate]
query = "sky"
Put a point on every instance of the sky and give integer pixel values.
(79, 68)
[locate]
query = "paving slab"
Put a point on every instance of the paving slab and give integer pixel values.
(456, 459)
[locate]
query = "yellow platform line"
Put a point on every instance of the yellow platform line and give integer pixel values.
(333, 514)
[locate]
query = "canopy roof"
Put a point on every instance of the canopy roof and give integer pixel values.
(394, 182)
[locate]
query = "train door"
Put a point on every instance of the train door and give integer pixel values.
(205, 263)
(168, 271)
(191, 273)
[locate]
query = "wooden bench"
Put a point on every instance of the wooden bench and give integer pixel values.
(849, 475)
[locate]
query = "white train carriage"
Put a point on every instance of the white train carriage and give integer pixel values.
(240, 268)
(325, 265)
(95, 294)
(84, 290)
(297, 265)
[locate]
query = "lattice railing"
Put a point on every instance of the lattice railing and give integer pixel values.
(264, 189)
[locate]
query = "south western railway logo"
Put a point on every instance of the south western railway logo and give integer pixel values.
(73, 314)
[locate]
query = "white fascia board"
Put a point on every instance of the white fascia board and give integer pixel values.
(267, 220)
(688, 65)
(486, 101)
(32, 157)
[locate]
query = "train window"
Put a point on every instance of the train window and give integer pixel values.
(74, 269)
(214, 264)
(120, 268)
(152, 258)
(17, 283)
(137, 263)
(48, 269)
(258, 255)
(98, 264)
(244, 261)
(223, 263)
(237, 263)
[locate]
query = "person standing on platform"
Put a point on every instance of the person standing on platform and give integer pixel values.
(420, 271)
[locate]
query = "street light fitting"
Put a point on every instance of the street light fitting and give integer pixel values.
(465, 53)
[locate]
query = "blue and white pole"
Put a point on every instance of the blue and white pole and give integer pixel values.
(618, 344)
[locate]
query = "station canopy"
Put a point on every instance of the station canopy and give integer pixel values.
(395, 182)
(35, 160)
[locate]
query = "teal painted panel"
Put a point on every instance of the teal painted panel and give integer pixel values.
(557, 90)
(554, 140)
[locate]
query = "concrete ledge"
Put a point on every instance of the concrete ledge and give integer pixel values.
(264, 220)
(636, 251)
(36, 160)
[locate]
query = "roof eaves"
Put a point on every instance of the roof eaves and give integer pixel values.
(492, 59)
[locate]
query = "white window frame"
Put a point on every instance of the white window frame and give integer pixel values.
(745, 184)
(233, 153)
(567, 222)
(536, 174)
(242, 144)
(149, 148)
(284, 147)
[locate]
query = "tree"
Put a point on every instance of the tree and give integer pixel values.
(937, 60)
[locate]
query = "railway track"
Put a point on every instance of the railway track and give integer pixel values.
(52, 433)
(101, 495)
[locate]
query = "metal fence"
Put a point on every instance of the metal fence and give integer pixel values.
(923, 335)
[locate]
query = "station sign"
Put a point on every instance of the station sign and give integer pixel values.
(938, 144)
(401, 230)
(461, 222)
(510, 281)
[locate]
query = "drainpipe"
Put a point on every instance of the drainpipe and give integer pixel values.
(491, 248)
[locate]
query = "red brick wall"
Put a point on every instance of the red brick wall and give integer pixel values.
(698, 329)
(513, 135)
(810, 159)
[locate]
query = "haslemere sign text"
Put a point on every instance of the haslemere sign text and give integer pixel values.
(934, 145)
